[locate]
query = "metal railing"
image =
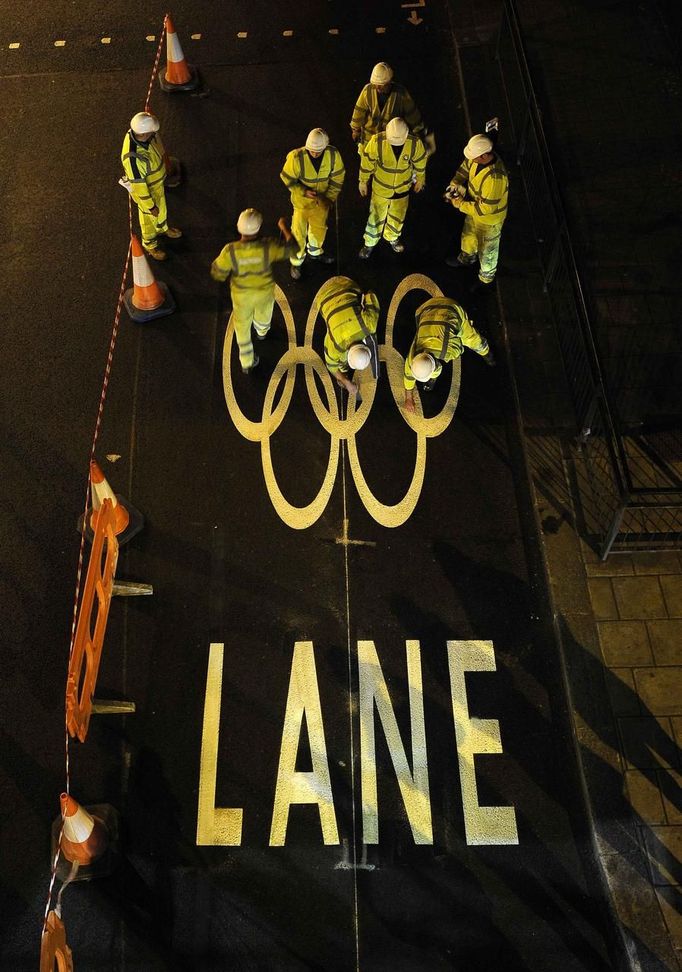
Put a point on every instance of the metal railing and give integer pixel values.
(631, 497)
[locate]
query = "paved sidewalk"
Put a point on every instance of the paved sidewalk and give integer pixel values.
(608, 84)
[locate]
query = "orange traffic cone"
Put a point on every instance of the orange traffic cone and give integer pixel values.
(179, 75)
(129, 521)
(148, 298)
(84, 837)
(88, 840)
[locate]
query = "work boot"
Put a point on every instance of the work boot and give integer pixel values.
(248, 371)
(366, 252)
(456, 263)
(321, 258)
(156, 254)
(397, 246)
(295, 272)
(173, 233)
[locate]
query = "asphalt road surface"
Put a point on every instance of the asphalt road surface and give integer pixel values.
(351, 747)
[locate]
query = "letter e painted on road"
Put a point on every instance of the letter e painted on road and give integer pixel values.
(482, 825)
(414, 786)
(293, 787)
(215, 825)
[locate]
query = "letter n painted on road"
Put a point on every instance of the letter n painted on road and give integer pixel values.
(414, 787)
(293, 787)
(482, 825)
(215, 825)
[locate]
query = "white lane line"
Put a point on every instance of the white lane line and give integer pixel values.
(105, 40)
(15, 45)
(334, 31)
(380, 30)
(150, 37)
(242, 34)
(287, 33)
(60, 43)
(354, 864)
(195, 36)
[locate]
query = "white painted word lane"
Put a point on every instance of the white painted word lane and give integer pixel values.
(484, 825)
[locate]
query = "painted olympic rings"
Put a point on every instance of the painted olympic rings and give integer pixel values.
(328, 414)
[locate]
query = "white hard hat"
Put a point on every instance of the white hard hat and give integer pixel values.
(382, 73)
(477, 145)
(317, 140)
(143, 123)
(423, 366)
(397, 131)
(358, 357)
(249, 222)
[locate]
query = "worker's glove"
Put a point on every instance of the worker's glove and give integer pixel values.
(355, 133)
(363, 188)
(457, 201)
(489, 359)
(418, 186)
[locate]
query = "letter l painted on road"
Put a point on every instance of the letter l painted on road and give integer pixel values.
(215, 825)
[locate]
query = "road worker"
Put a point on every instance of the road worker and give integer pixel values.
(443, 332)
(380, 101)
(144, 170)
(314, 176)
(395, 161)
(479, 189)
(351, 319)
(248, 264)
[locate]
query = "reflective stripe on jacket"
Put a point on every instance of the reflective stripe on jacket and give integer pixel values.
(487, 190)
(393, 177)
(248, 263)
(348, 318)
(443, 331)
(145, 169)
(299, 173)
(369, 118)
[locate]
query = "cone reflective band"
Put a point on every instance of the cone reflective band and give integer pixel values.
(148, 298)
(84, 838)
(179, 75)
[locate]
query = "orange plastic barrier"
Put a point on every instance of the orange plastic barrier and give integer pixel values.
(55, 954)
(92, 622)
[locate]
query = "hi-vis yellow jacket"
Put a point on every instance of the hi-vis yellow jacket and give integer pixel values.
(487, 190)
(145, 169)
(248, 263)
(349, 316)
(393, 177)
(299, 173)
(368, 118)
(443, 331)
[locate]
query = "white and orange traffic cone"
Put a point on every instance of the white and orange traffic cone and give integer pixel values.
(89, 839)
(148, 298)
(179, 75)
(129, 520)
(84, 837)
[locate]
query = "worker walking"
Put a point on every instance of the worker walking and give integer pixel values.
(144, 170)
(443, 332)
(479, 189)
(395, 161)
(351, 319)
(248, 264)
(380, 101)
(314, 176)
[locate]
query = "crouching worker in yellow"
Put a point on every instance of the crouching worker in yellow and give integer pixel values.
(144, 171)
(443, 332)
(395, 161)
(314, 176)
(351, 319)
(248, 264)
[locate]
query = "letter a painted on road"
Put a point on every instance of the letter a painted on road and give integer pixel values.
(293, 787)
(215, 825)
(482, 825)
(414, 786)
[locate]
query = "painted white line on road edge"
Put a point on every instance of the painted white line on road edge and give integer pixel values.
(105, 40)
(15, 45)
(60, 43)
